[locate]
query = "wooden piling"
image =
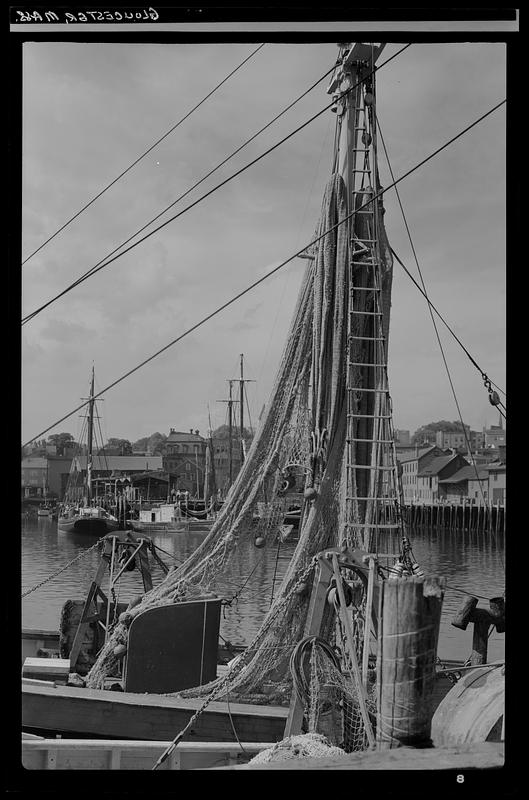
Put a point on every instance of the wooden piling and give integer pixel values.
(409, 614)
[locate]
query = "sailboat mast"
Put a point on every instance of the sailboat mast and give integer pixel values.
(241, 409)
(89, 462)
(230, 433)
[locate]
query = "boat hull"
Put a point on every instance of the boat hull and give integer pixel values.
(92, 526)
(69, 710)
(143, 527)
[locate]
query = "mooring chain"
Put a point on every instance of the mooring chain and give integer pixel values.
(62, 569)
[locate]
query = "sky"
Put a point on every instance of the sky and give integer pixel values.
(91, 109)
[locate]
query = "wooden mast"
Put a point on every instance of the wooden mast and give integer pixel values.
(89, 461)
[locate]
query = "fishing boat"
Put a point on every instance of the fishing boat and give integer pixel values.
(159, 517)
(86, 516)
(324, 658)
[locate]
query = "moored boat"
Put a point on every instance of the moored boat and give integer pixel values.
(313, 659)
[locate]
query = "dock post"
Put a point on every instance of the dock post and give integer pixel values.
(410, 615)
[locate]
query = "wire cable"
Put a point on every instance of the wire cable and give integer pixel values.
(102, 261)
(105, 263)
(268, 274)
(97, 196)
(445, 323)
(441, 348)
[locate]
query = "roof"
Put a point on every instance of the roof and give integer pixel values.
(466, 474)
(436, 465)
(422, 452)
(180, 436)
(123, 463)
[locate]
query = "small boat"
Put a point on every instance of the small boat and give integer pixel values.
(92, 520)
(44, 511)
(87, 516)
(163, 517)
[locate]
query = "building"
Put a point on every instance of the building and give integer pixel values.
(34, 477)
(430, 488)
(468, 483)
(185, 460)
(402, 437)
(50, 474)
(494, 437)
(412, 460)
(497, 482)
(221, 456)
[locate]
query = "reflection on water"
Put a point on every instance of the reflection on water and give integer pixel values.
(469, 561)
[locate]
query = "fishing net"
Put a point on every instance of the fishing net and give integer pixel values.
(301, 443)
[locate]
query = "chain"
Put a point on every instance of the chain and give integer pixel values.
(241, 661)
(62, 569)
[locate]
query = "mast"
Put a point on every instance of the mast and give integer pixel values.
(230, 401)
(242, 380)
(230, 434)
(373, 486)
(89, 461)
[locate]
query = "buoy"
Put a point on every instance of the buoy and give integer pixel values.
(368, 99)
(120, 650)
(310, 493)
(259, 541)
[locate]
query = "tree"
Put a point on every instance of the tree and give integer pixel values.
(427, 433)
(117, 447)
(157, 444)
(61, 440)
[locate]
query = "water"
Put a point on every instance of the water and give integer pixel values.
(469, 561)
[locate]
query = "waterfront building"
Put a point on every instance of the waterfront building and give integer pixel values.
(429, 489)
(468, 483)
(185, 459)
(497, 481)
(412, 460)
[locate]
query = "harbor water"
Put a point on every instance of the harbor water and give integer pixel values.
(471, 562)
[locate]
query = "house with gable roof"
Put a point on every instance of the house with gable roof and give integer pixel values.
(429, 489)
(468, 483)
(411, 463)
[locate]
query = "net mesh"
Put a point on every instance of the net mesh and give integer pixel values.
(301, 442)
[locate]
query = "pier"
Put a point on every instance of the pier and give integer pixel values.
(483, 518)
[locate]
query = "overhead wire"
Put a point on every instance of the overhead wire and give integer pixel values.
(174, 127)
(424, 292)
(271, 272)
(102, 261)
(231, 177)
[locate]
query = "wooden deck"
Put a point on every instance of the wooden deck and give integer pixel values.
(122, 715)
(86, 754)
(487, 755)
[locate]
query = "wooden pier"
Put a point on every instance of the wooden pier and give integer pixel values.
(484, 518)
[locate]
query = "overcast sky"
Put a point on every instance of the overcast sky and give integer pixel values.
(91, 109)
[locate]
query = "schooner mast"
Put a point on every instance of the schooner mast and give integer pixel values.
(372, 495)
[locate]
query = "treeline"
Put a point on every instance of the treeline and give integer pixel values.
(155, 444)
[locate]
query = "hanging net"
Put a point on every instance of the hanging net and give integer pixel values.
(300, 444)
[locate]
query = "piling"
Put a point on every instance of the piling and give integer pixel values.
(409, 614)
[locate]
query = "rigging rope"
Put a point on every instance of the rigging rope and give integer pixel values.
(97, 196)
(270, 273)
(452, 387)
(100, 266)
